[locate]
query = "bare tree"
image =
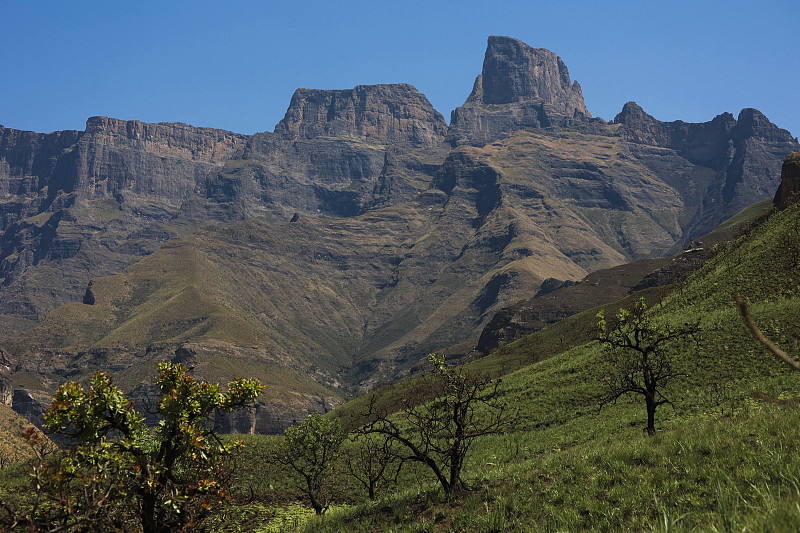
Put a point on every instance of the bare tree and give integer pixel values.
(640, 356)
(452, 409)
(368, 461)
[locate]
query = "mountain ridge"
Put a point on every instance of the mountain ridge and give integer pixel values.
(360, 235)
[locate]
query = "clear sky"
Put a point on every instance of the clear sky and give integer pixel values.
(234, 64)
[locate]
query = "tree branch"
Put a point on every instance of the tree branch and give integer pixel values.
(780, 354)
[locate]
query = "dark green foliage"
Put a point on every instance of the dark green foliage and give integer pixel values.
(122, 476)
(311, 449)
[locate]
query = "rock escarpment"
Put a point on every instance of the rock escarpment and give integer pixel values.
(385, 114)
(736, 161)
(790, 181)
(519, 86)
(83, 204)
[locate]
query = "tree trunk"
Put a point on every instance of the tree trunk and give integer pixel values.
(312, 495)
(651, 415)
(148, 514)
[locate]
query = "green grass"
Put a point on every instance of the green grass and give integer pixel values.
(723, 458)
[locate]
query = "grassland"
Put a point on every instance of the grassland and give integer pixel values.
(726, 456)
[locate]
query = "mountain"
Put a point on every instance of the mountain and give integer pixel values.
(335, 252)
(519, 87)
(77, 205)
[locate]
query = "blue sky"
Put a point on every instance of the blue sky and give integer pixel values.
(235, 64)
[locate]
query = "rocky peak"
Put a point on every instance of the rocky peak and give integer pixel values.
(632, 113)
(516, 72)
(790, 181)
(753, 123)
(386, 114)
(519, 87)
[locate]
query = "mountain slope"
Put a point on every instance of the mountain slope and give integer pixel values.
(727, 438)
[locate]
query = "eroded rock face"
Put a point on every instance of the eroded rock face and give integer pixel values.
(76, 205)
(164, 161)
(519, 86)
(790, 181)
(516, 72)
(6, 389)
(738, 154)
(386, 114)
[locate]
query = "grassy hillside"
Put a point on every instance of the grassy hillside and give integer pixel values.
(13, 447)
(724, 458)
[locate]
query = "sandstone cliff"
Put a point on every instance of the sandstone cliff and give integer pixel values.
(790, 181)
(519, 86)
(385, 114)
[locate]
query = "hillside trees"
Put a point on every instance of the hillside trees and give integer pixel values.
(449, 412)
(640, 356)
(123, 476)
(311, 449)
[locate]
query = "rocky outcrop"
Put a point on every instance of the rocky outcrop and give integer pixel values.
(790, 181)
(519, 87)
(6, 388)
(386, 114)
(740, 157)
(31, 405)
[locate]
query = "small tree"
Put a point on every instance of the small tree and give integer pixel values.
(368, 460)
(311, 450)
(123, 476)
(640, 356)
(453, 409)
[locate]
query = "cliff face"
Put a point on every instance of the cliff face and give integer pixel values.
(385, 114)
(790, 181)
(77, 205)
(28, 160)
(519, 86)
(82, 204)
(161, 162)
(741, 158)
